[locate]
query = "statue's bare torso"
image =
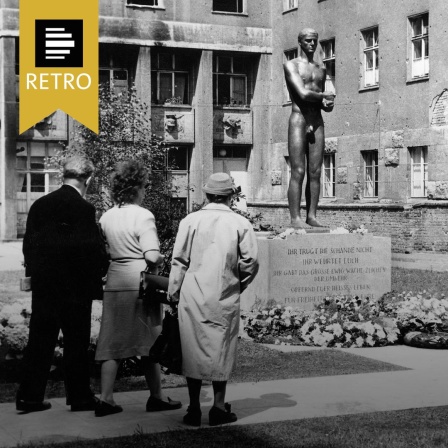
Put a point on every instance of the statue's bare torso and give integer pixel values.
(305, 79)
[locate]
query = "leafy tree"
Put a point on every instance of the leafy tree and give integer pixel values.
(125, 133)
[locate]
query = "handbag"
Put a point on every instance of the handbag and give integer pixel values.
(167, 350)
(153, 288)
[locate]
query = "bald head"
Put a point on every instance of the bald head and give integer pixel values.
(307, 32)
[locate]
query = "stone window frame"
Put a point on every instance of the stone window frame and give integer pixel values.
(32, 167)
(422, 38)
(329, 59)
(228, 153)
(329, 175)
(290, 5)
(290, 53)
(146, 4)
(365, 51)
(156, 71)
(232, 74)
(370, 173)
(175, 173)
(420, 152)
(240, 8)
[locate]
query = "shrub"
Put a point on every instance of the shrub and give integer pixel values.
(336, 322)
(125, 133)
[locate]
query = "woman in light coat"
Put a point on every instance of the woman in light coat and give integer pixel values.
(214, 260)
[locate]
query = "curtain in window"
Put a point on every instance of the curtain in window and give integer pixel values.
(165, 86)
(239, 90)
(20, 181)
(328, 175)
(53, 182)
(180, 87)
(419, 173)
(327, 185)
(224, 89)
(21, 192)
(371, 77)
(370, 174)
(420, 60)
(369, 185)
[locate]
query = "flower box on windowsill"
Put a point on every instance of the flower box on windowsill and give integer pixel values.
(232, 106)
(184, 106)
(173, 101)
(171, 106)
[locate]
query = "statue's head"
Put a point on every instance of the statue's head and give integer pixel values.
(308, 39)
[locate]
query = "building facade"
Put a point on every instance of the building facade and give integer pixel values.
(212, 73)
(386, 155)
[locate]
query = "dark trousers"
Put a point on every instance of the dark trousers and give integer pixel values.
(47, 318)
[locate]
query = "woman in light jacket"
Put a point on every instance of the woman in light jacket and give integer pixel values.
(128, 328)
(214, 260)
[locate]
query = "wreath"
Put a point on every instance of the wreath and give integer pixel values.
(426, 340)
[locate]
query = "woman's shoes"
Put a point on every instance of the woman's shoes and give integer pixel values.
(156, 405)
(217, 416)
(193, 416)
(102, 409)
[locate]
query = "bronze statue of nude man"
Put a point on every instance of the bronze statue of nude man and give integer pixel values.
(305, 79)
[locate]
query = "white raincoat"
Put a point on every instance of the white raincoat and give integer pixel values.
(214, 260)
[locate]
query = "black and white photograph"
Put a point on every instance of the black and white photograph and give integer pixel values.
(247, 248)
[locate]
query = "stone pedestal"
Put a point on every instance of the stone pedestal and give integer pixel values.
(304, 269)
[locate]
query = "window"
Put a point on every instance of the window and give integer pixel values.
(288, 55)
(289, 4)
(329, 60)
(419, 171)
(329, 176)
(370, 174)
(228, 6)
(230, 152)
(169, 78)
(230, 78)
(17, 67)
(175, 167)
(419, 46)
(35, 176)
(291, 54)
(117, 64)
(233, 160)
(116, 77)
(371, 61)
(153, 3)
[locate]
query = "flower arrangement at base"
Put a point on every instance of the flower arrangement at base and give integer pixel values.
(421, 312)
(14, 323)
(275, 323)
(344, 229)
(14, 329)
(336, 322)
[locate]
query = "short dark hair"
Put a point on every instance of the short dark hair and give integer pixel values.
(126, 180)
(305, 32)
(217, 199)
(77, 167)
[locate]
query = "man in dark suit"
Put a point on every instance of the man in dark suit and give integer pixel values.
(65, 258)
